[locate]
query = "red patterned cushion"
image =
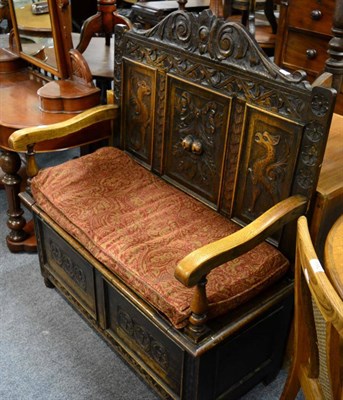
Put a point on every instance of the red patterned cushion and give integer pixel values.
(140, 226)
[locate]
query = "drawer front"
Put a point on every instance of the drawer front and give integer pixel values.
(68, 268)
(305, 51)
(312, 15)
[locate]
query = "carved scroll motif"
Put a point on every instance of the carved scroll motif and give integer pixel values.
(267, 169)
(200, 40)
(67, 264)
(143, 338)
(217, 39)
(229, 82)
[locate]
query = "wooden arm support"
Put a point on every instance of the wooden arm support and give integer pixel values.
(195, 266)
(326, 298)
(21, 139)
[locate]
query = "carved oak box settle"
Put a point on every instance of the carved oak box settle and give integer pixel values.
(145, 240)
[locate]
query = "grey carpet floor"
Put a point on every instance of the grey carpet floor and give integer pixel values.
(48, 352)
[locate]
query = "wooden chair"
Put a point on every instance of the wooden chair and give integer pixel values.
(317, 365)
(214, 138)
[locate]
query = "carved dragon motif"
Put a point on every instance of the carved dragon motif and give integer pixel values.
(267, 171)
(140, 118)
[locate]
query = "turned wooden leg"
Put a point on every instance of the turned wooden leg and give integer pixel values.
(20, 235)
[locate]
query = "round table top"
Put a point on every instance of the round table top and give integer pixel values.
(34, 23)
(333, 256)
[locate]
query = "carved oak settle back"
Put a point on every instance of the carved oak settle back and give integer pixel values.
(203, 107)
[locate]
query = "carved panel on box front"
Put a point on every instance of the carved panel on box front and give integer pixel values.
(143, 339)
(67, 264)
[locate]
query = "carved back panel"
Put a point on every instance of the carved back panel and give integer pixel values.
(203, 107)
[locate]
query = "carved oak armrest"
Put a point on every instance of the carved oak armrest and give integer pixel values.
(193, 269)
(21, 139)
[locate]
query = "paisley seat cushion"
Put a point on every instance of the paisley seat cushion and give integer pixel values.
(140, 226)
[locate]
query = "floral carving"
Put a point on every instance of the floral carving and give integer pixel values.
(305, 178)
(314, 131)
(310, 155)
(320, 105)
(197, 125)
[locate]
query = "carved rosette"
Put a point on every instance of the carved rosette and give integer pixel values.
(320, 105)
(67, 264)
(143, 339)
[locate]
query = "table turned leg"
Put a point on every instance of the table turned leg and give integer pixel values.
(21, 236)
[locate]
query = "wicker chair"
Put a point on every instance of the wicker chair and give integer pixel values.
(318, 328)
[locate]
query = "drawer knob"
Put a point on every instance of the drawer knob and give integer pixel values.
(316, 15)
(311, 54)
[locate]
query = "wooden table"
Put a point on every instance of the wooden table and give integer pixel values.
(328, 202)
(333, 256)
(149, 13)
(19, 108)
(32, 24)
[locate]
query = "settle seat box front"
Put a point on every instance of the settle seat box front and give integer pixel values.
(145, 239)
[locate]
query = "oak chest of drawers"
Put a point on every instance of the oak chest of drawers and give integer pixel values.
(303, 35)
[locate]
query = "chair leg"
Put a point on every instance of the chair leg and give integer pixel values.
(269, 13)
(292, 385)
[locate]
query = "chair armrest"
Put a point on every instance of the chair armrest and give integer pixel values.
(323, 80)
(196, 265)
(20, 139)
